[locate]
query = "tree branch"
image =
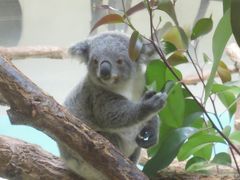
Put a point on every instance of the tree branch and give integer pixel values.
(33, 52)
(36, 109)
(21, 160)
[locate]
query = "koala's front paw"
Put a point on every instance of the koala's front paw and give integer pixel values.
(154, 101)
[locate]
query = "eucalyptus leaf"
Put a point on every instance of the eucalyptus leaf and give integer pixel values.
(194, 160)
(168, 47)
(156, 73)
(108, 19)
(196, 143)
(177, 58)
(168, 7)
(206, 58)
(171, 115)
(135, 46)
(235, 136)
(219, 41)
(223, 72)
(222, 159)
(168, 150)
(235, 23)
(163, 135)
(227, 130)
(174, 36)
(169, 75)
(189, 120)
(219, 88)
(202, 27)
(201, 166)
(205, 151)
(229, 101)
(226, 5)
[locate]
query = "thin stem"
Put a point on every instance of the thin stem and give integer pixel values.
(127, 18)
(215, 110)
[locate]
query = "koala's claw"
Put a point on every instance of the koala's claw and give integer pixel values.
(149, 94)
(154, 101)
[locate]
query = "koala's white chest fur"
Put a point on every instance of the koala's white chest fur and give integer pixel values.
(133, 91)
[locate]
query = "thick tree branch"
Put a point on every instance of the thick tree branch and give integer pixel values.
(44, 113)
(21, 160)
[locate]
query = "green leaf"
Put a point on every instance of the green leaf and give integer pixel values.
(169, 75)
(226, 130)
(108, 19)
(189, 120)
(138, 7)
(223, 72)
(163, 30)
(235, 23)
(171, 115)
(156, 73)
(229, 101)
(168, 47)
(175, 36)
(191, 107)
(205, 151)
(206, 58)
(222, 159)
(168, 7)
(135, 46)
(218, 88)
(202, 27)
(177, 58)
(235, 136)
(163, 135)
(197, 142)
(219, 41)
(226, 5)
(193, 160)
(201, 166)
(168, 87)
(168, 151)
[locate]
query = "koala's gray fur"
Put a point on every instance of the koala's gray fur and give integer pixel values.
(110, 99)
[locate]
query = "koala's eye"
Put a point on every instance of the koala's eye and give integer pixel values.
(119, 61)
(95, 61)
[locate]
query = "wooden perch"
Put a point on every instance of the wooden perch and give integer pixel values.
(30, 106)
(21, 160)
(33, 52)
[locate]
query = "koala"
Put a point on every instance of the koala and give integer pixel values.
(111, 98)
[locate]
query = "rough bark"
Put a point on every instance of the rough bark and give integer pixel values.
(21, 160)
(30, 106)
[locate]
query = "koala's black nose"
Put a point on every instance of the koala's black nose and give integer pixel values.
(105, 70)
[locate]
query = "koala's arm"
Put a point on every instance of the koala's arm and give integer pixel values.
(115, 111)
(148, 136)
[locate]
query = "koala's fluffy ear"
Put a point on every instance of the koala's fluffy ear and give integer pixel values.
(80, 50)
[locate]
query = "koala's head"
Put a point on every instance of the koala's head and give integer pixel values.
(107, 59)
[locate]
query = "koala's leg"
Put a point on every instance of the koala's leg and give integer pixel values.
(78, 165)
(135, 156)
(148, 136)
